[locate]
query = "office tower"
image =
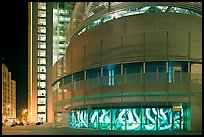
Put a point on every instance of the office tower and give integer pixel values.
(8, 96)
(47, 44)
(131, 66)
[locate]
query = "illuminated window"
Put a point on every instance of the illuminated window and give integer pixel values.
(42, 76)
(41, 117)
(41, 13)
(41, 37)
(41, 21)
(61, 18)
(41, 109)
(41, 101)
(62, 38)
(41, 92)
(41, 29)
(41, 45)
(41, 68)
(41, 60)
(42, 84)
(42, 53)
(42, 5)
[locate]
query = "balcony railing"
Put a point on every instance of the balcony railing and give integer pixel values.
(135, 78)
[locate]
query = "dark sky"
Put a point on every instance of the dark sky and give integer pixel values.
(15, 48)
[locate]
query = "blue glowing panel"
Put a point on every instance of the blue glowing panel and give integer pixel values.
(104, 119)
(72, 120)
(182, 119)
(118, 119)
(177, 119)
(149, 118)
(164, 118)
(81, 119)
(133, 119)
(93, 118)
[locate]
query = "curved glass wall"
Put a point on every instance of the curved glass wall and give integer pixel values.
(148, 72)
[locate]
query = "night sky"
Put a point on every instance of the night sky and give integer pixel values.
(15, 48)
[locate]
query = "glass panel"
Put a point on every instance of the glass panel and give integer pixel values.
(41, 117)
(41, 101)
(72, 119)
(41, 13)
(42, 53)
(104, 119)
(41, 21)
(41, 68)
(41, 60)
(41, 29)
(93, 118)
(118, 119)
(41, 45)
(41, 92)
(149, 119)
(81, 119)
(41, 5)
(164, 118)
(41, 37)
(42, 76)
(41, 109)
(42, 84)
(177, 119)
(133, 119)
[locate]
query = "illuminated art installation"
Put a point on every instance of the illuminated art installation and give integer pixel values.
(127, 119)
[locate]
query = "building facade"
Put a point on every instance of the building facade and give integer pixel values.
(8, 96)
(47, 44)
(131, 66)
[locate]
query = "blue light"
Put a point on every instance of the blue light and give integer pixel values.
(170, 73)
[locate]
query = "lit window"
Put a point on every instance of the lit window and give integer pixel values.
(41, 53)
(42, 76)
(41, 92)
(41, 13)
(41, 101)
(41, 60)
(41, 5)
(42, 84)
(41, 109)
(41, 45)
(41, 68)
(41, 21)
(62, 38)
(41, 117)
(41, 37)
(41, 29)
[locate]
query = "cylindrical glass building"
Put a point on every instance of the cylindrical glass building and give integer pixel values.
(131, 66)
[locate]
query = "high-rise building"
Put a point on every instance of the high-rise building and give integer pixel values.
(47, 44)
(131, 66)
(8, 96)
